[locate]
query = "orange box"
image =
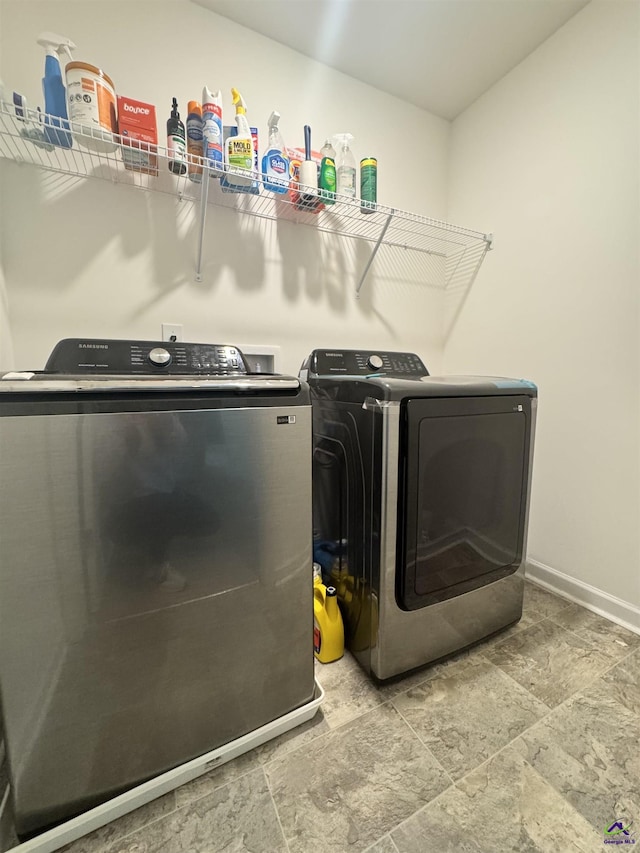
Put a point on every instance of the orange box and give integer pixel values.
(139, 131)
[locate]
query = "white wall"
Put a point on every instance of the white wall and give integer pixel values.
(548, 160)
(86, 258)
(6, 341)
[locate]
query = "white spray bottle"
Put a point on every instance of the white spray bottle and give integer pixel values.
(55, 96)
(345, 166)
(212, 130)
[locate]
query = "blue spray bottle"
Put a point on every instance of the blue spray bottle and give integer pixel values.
(275, 163)
(55, 97)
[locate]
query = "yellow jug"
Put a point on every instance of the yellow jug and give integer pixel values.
(328, 630)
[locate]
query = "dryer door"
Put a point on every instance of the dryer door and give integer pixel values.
(464, 473)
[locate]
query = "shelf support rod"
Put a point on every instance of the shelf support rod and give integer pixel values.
(204, 195)
(374, 252)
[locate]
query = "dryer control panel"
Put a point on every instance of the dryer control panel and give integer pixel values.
(325, 362)
(122, 357)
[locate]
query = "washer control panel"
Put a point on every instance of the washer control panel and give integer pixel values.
(105, 356)
(405, 365)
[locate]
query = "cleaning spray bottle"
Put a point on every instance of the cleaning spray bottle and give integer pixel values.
(194, 141)
(176, 142)
(346, 166)
(238, 151)
(328, 628)
(327, 179)
(212, 130)
(275, 163)
(55, 97)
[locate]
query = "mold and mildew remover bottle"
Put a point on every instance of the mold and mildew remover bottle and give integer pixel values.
(238, 150)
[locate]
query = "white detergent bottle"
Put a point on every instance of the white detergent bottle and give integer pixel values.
(345, 166)
(238, 150)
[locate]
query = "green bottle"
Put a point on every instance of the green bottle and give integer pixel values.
(327, 181)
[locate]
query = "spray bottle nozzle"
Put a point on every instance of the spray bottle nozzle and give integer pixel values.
(344, 139)
(238, 102)
(53, 43)
(274, 118)
(174, 108)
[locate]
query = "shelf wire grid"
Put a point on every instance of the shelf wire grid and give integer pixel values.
(90, 156)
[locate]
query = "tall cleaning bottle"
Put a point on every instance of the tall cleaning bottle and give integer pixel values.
(328, 628)
(238, 151)
(212, 131)
(176, 142)
(275, 162)
(327, 178)
(345, 166)
(194, 141)
(56, 119)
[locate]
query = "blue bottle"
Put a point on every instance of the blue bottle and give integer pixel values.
(55, 97)
(275, 163)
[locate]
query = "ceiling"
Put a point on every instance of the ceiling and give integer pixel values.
(437, 54)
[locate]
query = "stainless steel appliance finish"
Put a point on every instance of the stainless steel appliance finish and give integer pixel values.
(155, 561)
(421, 495)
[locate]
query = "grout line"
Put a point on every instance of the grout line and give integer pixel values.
(378, 840)
(585, 639)
(275, 807)
(590, 680)
(414, 732)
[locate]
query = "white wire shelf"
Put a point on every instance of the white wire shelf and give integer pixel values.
(460, 251)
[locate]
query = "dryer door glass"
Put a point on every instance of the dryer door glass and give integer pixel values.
(465, 488)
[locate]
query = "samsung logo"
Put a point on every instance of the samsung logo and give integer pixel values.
(333, 354)
(93, 346)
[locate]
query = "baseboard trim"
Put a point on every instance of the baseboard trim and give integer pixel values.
(590, 597)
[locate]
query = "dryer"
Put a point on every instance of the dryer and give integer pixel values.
(420, 502)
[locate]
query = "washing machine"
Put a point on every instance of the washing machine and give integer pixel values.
(420, 502)
(155, 569)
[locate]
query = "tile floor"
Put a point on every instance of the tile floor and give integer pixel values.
(528, 742)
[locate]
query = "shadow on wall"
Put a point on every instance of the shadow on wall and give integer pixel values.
(76, 220)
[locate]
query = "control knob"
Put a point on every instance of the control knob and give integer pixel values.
(159, 356)
(375, 362)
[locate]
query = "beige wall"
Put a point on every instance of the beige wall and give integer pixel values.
(548, 160)
(87, 258)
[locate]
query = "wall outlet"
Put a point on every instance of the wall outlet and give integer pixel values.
(172, 331)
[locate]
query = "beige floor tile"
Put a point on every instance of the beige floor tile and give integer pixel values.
(238, 817)
(349, 691)
(541, 601)
(549, 661)
(107, 835)
(468, 712)
(502, 806)
(610, 638)
(622, 682)
(350, 787)
(588, 750)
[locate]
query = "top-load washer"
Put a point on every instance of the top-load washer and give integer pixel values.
(421, 491)
(155, 569)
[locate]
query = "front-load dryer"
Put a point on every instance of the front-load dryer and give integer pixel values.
(421, 493)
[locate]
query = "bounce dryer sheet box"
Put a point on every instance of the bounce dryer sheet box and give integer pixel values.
(139, 132)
